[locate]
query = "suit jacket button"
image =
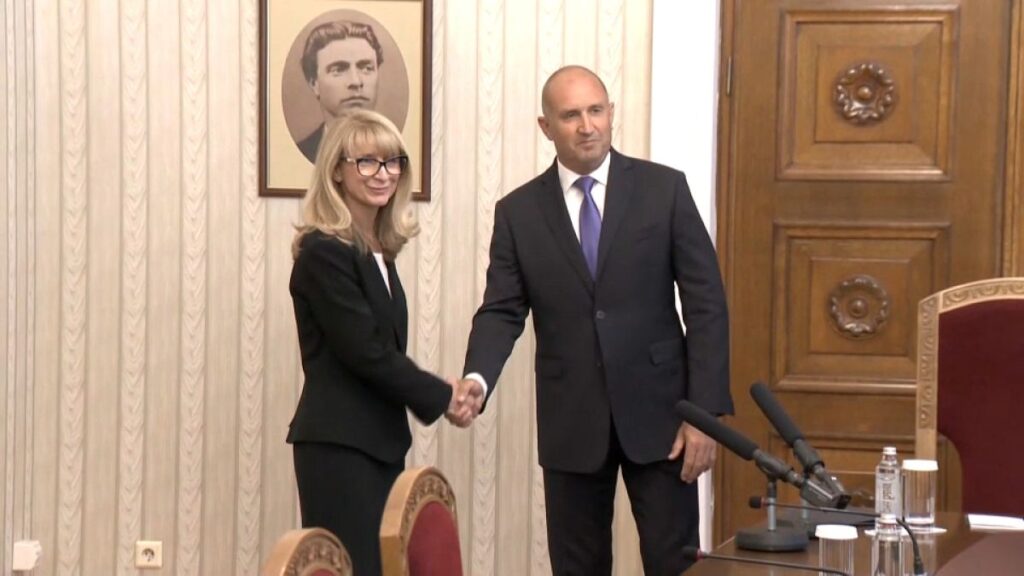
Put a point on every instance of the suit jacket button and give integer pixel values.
(600, 314)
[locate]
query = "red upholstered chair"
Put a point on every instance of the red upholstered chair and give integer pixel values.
(308, 552)
(970, 388)
(419, 534)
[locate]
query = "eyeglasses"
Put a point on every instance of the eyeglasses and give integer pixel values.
(371, 166)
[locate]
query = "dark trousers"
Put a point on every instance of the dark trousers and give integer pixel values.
(344, 490)
(580, 509)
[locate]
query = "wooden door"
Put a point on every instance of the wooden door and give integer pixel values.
(861, 170)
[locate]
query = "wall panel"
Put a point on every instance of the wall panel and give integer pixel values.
(150, 361)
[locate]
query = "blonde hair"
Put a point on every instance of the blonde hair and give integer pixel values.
(324, 207)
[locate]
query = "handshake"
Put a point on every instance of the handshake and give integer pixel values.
(467, 401)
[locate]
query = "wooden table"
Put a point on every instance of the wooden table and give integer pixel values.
(977, 553)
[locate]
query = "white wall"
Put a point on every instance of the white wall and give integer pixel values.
(684, 80)
(684, 96)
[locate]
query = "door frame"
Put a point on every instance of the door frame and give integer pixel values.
(1011, 258)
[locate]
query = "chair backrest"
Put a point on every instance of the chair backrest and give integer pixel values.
(308, 552)
(419, 533)
(970, 387)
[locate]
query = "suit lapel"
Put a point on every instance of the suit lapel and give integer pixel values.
(616, 204)
(399, 310)
(377, 294)
(552, 206)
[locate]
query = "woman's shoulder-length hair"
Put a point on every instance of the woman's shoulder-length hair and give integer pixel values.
(324, 208)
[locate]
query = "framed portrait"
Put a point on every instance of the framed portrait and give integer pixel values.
(319, 58)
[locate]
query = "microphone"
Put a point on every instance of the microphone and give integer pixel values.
(738, 444)
(757, 502)
(695, 554)
(771, 538)
(811, 489)
(829, 491)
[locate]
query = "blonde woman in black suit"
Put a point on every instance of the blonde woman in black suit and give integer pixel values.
(350, 432)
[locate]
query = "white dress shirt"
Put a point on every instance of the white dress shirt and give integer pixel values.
(383, 269)
(574, 196)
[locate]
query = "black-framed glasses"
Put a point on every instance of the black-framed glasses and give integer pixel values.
(371, 166)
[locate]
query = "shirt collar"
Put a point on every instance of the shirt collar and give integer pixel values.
(567, 177)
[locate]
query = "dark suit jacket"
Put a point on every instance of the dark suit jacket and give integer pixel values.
(352, 336)
(612, 349)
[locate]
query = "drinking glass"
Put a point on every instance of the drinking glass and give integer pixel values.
(835, 547)
(919, 492)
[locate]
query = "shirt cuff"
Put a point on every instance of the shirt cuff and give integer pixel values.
(476, 376)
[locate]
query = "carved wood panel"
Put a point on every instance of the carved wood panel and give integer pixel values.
(867, 94)
(864, 146)
(846, 303)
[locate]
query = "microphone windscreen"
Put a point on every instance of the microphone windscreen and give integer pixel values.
(708, 424)
(775, 413)
(756, 502)
(691, 553)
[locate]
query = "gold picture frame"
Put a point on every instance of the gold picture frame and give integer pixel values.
(295, 101)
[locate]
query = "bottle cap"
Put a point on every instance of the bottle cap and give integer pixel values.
(889, 451)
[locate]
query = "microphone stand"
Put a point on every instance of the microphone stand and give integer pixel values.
(821, 488)
(772, 538)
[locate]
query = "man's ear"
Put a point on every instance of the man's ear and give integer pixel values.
(542, 121)
(315, 87)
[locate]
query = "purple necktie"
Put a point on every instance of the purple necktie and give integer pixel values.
(590, 224)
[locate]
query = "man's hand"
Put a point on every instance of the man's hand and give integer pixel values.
(700, 452)
(467, 401)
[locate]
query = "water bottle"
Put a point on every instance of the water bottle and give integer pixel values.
(886, 548)
(887, 484)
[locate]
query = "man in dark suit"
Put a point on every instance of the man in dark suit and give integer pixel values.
(595, 247)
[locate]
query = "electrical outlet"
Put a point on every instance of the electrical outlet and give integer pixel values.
(149, 554)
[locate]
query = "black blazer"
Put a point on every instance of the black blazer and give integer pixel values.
(352, 336)
(614, 348)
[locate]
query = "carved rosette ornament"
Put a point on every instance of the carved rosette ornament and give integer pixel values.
(859, 307)
(865, 94)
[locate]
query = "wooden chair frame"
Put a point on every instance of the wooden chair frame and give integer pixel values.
(414, 489)
(301, 552)
(928, 312)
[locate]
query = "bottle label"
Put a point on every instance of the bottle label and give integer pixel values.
(887, 498)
